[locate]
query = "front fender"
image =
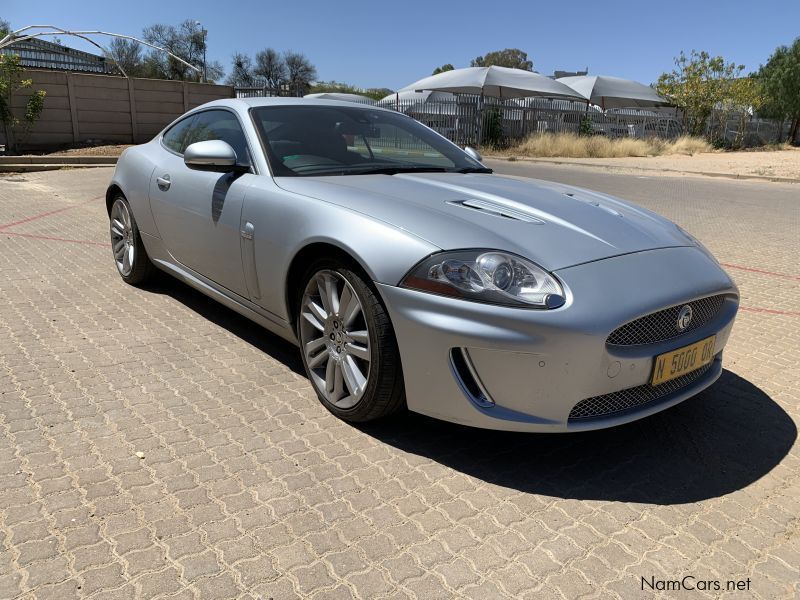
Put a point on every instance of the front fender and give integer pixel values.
(285, 223)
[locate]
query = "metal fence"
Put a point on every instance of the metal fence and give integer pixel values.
(472, 120)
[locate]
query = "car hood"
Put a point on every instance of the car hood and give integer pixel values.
(555, 225)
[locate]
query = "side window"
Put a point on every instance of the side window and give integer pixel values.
(175, 137)
(219, 125)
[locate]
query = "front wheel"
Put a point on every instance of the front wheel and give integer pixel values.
(131, 258)
(348, 345)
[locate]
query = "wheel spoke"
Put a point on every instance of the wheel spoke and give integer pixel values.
(319, 312)
(326, 285)
(318, 359)
(316, 352)
(313, 345)
(125, 217)
(338, 382)
(353, 378)
(126, 259)
(330, 375)
(358, 351)
(353, 310)
(117, 227)
(119, 248)
(361, 336)
(344, 301)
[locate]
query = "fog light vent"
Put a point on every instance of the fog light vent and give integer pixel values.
(467, 377)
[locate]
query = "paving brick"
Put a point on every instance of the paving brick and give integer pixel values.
(142, 561)
(200, 565)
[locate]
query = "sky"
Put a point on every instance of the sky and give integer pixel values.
(392, 44)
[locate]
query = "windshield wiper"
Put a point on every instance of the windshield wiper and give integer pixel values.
(474, 170)
(394, 170)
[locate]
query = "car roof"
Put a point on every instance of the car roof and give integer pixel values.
(246, 103)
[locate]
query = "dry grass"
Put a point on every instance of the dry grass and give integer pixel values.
(569, 145)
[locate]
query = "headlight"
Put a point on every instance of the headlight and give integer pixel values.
(486, 276)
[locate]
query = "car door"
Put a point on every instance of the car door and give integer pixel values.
(198, 212)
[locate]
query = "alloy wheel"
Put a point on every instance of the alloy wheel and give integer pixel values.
(334, 339)
(122, 241)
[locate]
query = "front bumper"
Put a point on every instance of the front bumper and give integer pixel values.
(536, 365)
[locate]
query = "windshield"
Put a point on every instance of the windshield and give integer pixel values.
(333, 140)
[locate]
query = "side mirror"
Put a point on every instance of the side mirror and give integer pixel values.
(212, 155)
(473, 154)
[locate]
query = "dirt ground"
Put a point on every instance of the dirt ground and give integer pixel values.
(113, 150)
(778, 163)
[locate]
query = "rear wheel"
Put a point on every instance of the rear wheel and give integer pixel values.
(348, 345)
(131, 258)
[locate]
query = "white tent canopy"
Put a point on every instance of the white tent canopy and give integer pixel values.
(496, 82)
(613, 92)
(427, 102)
(417, 96)
(342, 97)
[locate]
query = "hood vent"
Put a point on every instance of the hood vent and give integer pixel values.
(497, 210)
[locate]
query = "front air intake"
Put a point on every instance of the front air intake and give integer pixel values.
(467, 377)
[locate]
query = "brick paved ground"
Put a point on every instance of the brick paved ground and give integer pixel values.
(155, 444)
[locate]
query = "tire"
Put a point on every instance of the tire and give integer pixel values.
(130, 256)
(334, 343)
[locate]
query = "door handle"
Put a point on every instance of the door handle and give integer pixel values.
(163, 182)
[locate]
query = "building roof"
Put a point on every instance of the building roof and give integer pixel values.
(40, 54)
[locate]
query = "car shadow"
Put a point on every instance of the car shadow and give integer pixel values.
(240, 326)
(720, 441)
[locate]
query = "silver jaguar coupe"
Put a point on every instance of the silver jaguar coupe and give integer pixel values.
(411, 276)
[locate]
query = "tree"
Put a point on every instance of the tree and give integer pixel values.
(241, 74)
(378, 93)
(11, 82)
(510, 57)
(780, 79)
(443, 69)
(188, 41)
(699, 84)
(128, 55)
(5, 27)
(345, 88)
(299, 72)
(270, 67)
(745, 97)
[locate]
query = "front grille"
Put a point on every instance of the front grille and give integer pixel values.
(662, 325)
(635, 397)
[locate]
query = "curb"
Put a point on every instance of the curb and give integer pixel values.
(61, 160)
(31, 164)
(34, 167)
(648, 170)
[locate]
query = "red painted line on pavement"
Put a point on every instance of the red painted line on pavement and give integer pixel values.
(769, 311)
(48, 213)
(752, 270)
(54, 239)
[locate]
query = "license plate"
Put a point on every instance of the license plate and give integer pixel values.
(683, 360)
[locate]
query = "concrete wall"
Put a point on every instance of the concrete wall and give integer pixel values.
(81, 107)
